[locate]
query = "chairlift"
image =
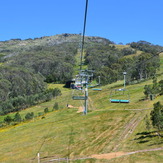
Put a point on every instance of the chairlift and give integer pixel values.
(79, 82)
(97, 89)
(122, 93)
(99, 84)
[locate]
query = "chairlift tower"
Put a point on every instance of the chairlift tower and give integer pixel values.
(86, 75)
(83, 79)
(124, 73)
(99, 81)
(86, 100)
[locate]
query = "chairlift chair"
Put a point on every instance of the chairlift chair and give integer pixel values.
(119, 92)
(99, 84)
(78, 85)
(97, 89)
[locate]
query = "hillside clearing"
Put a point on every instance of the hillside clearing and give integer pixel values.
(108, 129)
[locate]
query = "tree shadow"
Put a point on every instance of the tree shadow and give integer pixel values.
(160, 143)
(146, 133)
(144, 137)
(143, 141)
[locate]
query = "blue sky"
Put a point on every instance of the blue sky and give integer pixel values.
(118, 20)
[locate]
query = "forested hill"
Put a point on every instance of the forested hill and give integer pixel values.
(49, 56)
(27, 65)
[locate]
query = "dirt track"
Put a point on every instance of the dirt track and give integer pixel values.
(80, 108)
(109, 156)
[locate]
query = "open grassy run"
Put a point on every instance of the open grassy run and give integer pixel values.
(65, 133)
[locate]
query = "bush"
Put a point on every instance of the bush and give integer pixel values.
(17, 117)
(128, 51)
(8, 119)
(56, 107)
(29, 116)
(46, 110)
(40, 114)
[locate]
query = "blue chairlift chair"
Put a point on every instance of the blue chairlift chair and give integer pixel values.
(121, 92)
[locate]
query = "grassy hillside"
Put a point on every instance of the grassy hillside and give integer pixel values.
(107, 128)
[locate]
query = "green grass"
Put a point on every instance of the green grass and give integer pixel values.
(65, 132)
(61, 134)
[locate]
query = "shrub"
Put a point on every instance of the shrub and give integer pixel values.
(29, 116)
(8, 119)
(56, 107)
(17, 117)
(46, 110)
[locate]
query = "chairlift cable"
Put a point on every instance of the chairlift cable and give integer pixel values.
(82, 46)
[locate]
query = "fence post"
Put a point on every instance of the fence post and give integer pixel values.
(38, 156)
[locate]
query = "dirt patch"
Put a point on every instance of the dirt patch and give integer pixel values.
(80, 108)
(109, 155)
(70, 106)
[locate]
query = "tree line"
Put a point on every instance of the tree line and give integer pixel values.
(18, 81)
(110, 63)
(21, 102)
(24, 77)
(146, 47)
(154, 90)
(54, 63)
(17, 118)
(156, 115)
